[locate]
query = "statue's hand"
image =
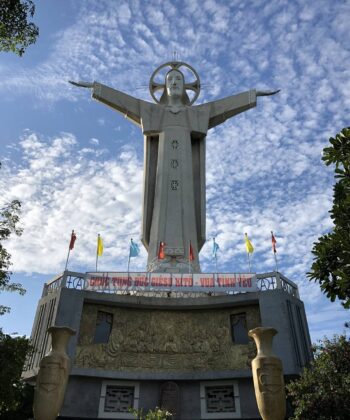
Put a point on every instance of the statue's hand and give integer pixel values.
(82, 84)
(267, 93)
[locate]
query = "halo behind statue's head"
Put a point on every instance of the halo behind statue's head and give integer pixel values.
(175, 65)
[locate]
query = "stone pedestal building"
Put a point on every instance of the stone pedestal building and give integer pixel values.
(187, 352)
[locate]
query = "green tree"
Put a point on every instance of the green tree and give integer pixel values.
(323, 391)
(9, 220)
(16, 397)
(331, 266)
(16, 33)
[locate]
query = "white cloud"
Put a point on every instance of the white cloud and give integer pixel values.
(61, 188)
(264, 170)
(94, 142)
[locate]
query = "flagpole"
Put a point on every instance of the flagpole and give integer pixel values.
(97, 254)
(273, 240)
(249, 265)
(70, 247)
(215, 255)
(276, 261)
(65, 268)
(129, 256)
(249, 249)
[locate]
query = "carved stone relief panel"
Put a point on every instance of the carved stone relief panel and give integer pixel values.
(165, 340)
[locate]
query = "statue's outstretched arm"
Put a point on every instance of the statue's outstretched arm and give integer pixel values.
(119, 101)
(82, 84)
(267, 93)
(223, 109)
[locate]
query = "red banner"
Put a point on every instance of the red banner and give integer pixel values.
(226, 282)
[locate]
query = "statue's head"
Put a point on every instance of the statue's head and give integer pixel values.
(174, 84)
(174, 89)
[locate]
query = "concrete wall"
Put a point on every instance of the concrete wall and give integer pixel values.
(277, 309)
(83, 397)
(69, 312)
(249, 408)
(292, 343)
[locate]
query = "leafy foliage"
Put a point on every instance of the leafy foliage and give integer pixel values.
(156, 414)
(323, 390)
(9, 219)
(16, 33)
(331, 266)
(15, 396)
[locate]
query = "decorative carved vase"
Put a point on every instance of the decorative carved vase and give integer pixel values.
(268, 376)
(53, 376)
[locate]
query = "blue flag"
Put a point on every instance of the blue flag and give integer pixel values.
(215, 248)
(134, 249)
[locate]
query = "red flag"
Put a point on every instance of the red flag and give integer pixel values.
(161, 254)
(274, 242)
(191, 256)
(72, 240)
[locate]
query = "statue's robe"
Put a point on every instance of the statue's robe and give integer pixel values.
(174, 171)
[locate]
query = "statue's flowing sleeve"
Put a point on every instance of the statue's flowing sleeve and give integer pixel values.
(225, 108)
(119, 101)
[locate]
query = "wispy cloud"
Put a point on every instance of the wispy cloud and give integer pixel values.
(63, 187)
(264, 169)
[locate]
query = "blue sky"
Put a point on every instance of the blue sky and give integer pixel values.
(77, 164)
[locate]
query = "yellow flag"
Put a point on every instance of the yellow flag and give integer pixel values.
(99, 245)
(248, 245)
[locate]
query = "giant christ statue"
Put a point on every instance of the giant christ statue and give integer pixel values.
(174, 160)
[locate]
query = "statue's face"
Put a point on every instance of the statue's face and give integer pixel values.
(174, 83)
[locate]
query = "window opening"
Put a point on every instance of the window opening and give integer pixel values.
(239, 329)
(103, 328)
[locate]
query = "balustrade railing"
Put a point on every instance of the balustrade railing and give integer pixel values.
(259, 282)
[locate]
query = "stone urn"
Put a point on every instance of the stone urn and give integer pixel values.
(53, 376)
(268, 376)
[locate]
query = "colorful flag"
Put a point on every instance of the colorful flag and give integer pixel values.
(161, 254)
(248, 245)
(274, 242)
(134, 249)
(72, 240)
(99, 245)
(191, 256)
(215, 248)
